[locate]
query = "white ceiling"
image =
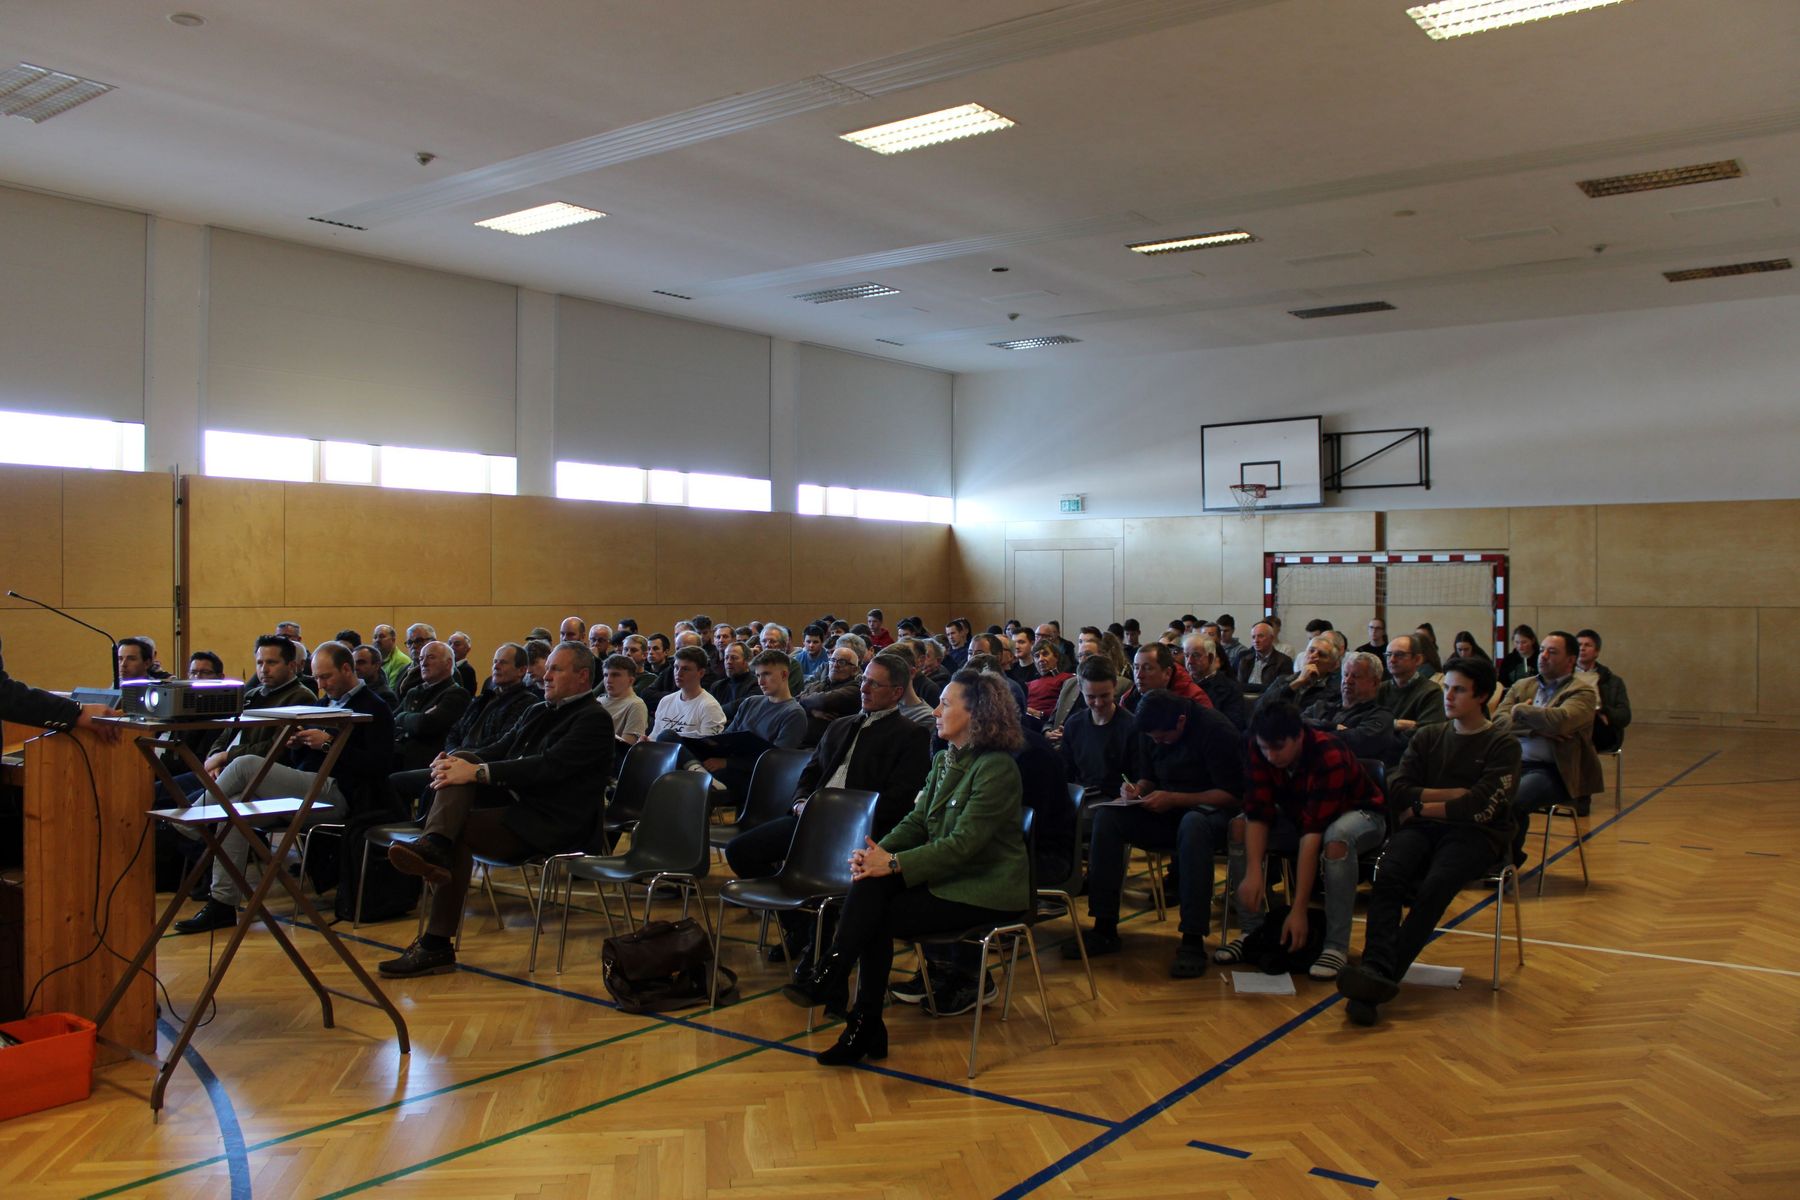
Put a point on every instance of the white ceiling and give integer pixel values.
(1312, 123)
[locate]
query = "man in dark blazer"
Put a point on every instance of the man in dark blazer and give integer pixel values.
(429, 709)
(537, 790)
(1262, 664)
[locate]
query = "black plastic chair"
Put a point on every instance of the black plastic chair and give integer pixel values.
(770, 795)
(1011, 933)
(668, 846)
(645, 763)
(816, 872)
(1064, 901)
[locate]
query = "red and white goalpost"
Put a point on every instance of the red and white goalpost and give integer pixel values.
(1430, 581)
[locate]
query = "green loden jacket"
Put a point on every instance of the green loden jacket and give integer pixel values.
(962, 837)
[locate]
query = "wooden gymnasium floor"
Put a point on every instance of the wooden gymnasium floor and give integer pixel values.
(1648, 1048)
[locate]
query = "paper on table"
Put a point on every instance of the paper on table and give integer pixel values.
(1255, 983)
(1426, 975)
(1118, 802)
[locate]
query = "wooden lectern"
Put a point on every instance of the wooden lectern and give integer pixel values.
(77, 832)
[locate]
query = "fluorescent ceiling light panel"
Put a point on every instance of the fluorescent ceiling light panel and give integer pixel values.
(1668, 177)
(946, 125)
(1341, 310)
(38, 93)
(544, 217)
(853, 291)
(1198, 241)
(1036, 343)
(1744, 268)
(1455, 18)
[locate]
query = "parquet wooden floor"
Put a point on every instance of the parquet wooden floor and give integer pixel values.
(1648, 1048)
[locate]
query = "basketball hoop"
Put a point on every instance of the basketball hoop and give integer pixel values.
(1247, 496)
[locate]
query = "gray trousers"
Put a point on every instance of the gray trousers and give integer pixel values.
(280, 781)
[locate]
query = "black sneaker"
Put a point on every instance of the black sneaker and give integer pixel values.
(959, 997)
(417, 960)
(1361, 1012)
(212, 915)
(1097, 944)
(1190, 961)
(910, 992)
(1359, 982)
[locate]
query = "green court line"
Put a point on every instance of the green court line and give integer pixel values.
(536, 1126)
(405, 1100)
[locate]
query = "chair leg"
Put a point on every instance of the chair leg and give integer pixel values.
(1499, 925)
(362, 880)
(1580, 825)
(1618, 757)
(1544, 853)
(1043, 996)
(1154, 863)
(1518, 919)
(525, 883)
(1068, 903)
(925, 979)
(537, 916)
(712, 992)
(1012, 966)
(980, 983)
(563, 940)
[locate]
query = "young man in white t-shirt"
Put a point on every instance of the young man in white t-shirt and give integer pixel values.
(630, 716)
(689, 711)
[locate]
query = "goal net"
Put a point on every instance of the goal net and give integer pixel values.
(1452, 591)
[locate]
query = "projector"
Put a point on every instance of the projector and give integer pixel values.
(182, 699)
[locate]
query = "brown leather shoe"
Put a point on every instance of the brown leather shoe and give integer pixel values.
(417, 960)
(421, 857)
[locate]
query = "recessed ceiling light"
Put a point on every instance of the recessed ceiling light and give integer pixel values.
(1341, 310)
(854, 291)
(1198, 241)
(38, 93)
(946, 125)
(1744, 268)
(1668, 177)
(1454, 18)
(1036, 343)
(543, 217)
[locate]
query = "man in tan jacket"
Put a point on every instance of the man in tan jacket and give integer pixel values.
(1552, 715)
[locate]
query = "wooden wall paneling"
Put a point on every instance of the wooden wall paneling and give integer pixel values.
(1174, 561)
(31, 541)
(1318, 531)
(925, 561)
(47, 651)
(1738, 553)
(715, 560)
(234, 542)
(1551, 557)
(1065, 531)
(978, 565)
(1777, 683)
(231, 633)
(1448, 529)
(549, 551)
(842, 556)
(118, 539)
(1638, 642)
(363, 546)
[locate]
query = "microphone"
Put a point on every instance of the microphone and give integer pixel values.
(59, 612)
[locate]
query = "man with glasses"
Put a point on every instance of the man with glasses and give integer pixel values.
(1414, 697)
(688, 711)
(1212, 674)
(834, 695)
(1378, 641)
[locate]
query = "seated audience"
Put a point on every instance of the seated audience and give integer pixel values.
(1466, 646)
(1207, 668)
(460, 646)
(503, 700)
(278, 685)
(1188, 788)
(1453, 792)
(1411, 695)
(1046, 684)
(956, 640)
(832, 695)
(532, 792)
(879, 638)
(1099, 740)
(1614, 713)
(600, 641)
(357, 780)
(394, 660)
(418, 636)
(1260, 664)
(1155, 669)
(1357, 717)
(812, 654)
(738, 682)
(1521, 662)
(429, 709)
(688, 710)
(1552, 715)
(630, 716)
(1378, 641)
(772, 715)
(136, 657)
(912, 707)
(572, 629)
(537, 659)
(1307, 797)
(956, 860)
(366, 660)
(1313, 685)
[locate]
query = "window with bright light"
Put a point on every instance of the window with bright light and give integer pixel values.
(347, 462)
(41, 440)
(447, 471)
(728, 491)
(873, 505)
(668, 487)
(592, 481)
(260, 456)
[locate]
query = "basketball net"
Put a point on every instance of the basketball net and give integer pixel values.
(1247, 496)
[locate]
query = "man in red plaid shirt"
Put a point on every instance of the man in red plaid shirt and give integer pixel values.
(1305, 794)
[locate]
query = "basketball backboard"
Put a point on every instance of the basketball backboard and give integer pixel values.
(1282, 455)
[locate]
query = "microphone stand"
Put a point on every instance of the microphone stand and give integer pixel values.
(67, 617)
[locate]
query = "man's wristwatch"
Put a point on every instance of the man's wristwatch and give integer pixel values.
(481, 773)
(1418, 808)
(893, 864)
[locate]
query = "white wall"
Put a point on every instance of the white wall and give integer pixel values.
(1693, 403)
(869, 423)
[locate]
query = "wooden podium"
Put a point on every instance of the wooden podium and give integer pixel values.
(78, 832)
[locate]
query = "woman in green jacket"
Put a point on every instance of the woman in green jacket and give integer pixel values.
(957, 860)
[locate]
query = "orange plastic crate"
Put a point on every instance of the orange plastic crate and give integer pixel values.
(52, 1065)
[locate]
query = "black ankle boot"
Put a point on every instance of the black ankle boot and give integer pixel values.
(864, 1036)
(828, 983)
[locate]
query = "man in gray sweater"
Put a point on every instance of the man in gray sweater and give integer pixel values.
(1453, 791)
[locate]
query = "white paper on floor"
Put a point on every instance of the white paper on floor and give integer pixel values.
(1426, 975)
(1255, 983)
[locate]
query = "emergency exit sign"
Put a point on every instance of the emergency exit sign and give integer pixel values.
(1073, 504)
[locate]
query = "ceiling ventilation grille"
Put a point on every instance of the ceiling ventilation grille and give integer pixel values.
(1668, 177)
(889, 342)
(850, 291)
(339, 224)
(1743, 268)
(1036, 343)
(1341, 310)
(670, 295)
(38, 93)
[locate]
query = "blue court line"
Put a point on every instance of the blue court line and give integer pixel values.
(1341, 1177)
(237, 1162)
(1138, 1119)
(1229, 1151)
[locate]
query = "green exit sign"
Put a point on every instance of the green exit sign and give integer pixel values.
(1073, 503)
